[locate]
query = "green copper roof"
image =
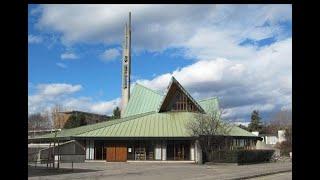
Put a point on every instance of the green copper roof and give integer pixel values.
(209, 105)
(142, 100)
(152, 125)
(237, 131)
(87, 128)
(142, 119)
(167, 124)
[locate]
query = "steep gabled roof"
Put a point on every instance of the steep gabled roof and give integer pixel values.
(142, 118)
(209, 105)
(142, 100)
(174, 84)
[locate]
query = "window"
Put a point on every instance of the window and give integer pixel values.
(181, 102)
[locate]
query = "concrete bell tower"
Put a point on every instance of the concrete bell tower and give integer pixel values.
(126, 66)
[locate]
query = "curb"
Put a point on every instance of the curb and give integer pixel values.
(260, 175)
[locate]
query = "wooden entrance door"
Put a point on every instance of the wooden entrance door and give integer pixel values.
(116, 153)
(121, 153)
(111, 153)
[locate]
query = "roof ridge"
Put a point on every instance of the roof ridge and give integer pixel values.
(100, 123)
(149, 89)
(121, 120)
(214, 97)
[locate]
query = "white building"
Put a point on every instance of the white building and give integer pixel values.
(271, 138)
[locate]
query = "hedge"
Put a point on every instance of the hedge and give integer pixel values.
(240, 156)
(254, 156)
(223, 156)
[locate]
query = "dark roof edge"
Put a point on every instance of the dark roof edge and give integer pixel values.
(84, 112)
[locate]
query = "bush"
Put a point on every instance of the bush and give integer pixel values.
(254, 156)
(285, 148)
(223, 156)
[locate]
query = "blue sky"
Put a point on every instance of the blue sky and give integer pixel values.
(240, 53)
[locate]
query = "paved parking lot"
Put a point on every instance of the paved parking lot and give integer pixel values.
(278, 176)
(160, 171)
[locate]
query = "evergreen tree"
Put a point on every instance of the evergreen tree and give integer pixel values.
(255, 124)
(75, 120)
(116, 113)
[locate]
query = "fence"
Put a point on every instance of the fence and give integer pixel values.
(57, 160)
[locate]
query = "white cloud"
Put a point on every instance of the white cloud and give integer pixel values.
(57, 89)
(68, 56)
(33, 39)
(50, 93)
(241, 123)
(110, 54)
(241, 111)
(105, 107)
(158, 27)
(61, 65)
(263, 81)
(243, 77)
(47, 95)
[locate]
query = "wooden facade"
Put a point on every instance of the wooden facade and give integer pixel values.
(116, 153)
(177, 100)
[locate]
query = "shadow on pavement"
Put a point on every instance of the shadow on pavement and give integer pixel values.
(43, 171)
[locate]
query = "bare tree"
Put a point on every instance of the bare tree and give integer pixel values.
(211, 131)
(56, 115)
(48, 119)
(38, 121)
(281, 120)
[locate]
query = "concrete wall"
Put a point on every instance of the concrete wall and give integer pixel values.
(67, 150)
(198, 153)
(281, 136)
(192, 153)
(71, 158)
(164, 151)
(158, 152)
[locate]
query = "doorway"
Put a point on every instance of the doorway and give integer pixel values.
(116, 153)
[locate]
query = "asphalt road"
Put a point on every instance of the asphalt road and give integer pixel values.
(158, 171)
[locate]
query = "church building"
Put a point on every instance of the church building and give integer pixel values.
(153, 125)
